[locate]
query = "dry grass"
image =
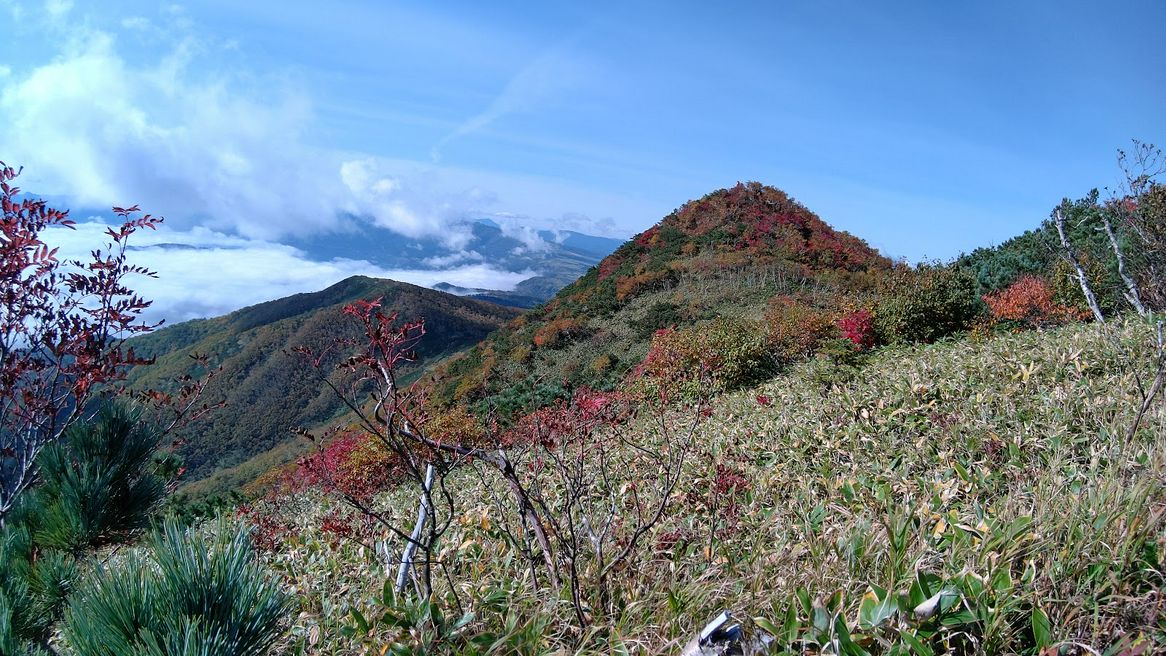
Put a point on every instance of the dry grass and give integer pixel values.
(997, 469)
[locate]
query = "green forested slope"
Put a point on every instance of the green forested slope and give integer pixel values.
(268, 389)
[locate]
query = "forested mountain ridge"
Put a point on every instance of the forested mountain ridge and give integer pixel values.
(269, 390)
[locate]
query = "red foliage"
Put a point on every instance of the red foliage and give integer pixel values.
(353, 464)
(729, 481)
(648, 237)
(858, 327)
(1030, 300)
(764, 400)
(587, 411)
(268, 533)
(385, 344)
(721, 497)
(609, 266)
(767, 222)
(63, 325)
(341, 524)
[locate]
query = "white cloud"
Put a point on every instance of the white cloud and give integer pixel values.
(137, 23)
(219, 149)
(524, 233)
(226, 155)
(202, 273)
(414, 202)
(193, 136)
(444, 261)
(15, 10)
(100, 132)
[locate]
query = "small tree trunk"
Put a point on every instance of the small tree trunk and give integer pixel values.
(415, 538)
(1131, 294)
(1059, 220)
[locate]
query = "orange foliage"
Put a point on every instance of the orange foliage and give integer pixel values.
(455, 425)
(554, 331)
(1030, 300)
(795, 330)
(631, 285)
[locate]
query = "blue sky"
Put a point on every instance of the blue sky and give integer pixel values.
(927, 128)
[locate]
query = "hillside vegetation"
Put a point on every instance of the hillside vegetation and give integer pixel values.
(724, 256)
(996, 470)
(270, 390)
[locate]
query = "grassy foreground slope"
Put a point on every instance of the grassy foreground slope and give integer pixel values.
(998, 470)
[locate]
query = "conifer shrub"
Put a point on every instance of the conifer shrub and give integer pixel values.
(925, 303)
(661, 314)
(25, 617)
(521, 397)
(189, 596)
(98, 485)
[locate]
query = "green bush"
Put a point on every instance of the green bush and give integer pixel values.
(24, 620)
(97, 486)
(925, 303)
(190, 596)
(658, 315)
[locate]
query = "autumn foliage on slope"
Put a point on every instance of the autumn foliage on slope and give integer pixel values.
(724, 255)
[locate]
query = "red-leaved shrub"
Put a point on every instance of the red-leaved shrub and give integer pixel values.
(354, 464)
(858, 327)
(690, 363)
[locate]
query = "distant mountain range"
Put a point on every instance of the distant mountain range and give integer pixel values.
(557, 258)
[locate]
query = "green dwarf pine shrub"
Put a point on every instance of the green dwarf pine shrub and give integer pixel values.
(98, 486)
(190, 596)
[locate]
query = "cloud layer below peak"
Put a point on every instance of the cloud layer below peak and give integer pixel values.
(202, 273)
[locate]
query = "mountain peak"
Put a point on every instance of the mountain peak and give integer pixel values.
(724, 255)
(760, 221)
